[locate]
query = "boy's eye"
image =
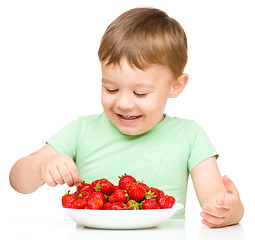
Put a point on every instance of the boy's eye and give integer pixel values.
(140, 94)
(111, 90)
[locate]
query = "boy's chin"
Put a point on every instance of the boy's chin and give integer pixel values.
(130, 131)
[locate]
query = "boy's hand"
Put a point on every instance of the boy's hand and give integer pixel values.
(228, 209)
(60, 170)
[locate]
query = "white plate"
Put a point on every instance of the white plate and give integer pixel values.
(121, 219)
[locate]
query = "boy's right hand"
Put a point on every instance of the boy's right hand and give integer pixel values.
(60, 169)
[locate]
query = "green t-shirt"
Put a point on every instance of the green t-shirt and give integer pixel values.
(162, 157)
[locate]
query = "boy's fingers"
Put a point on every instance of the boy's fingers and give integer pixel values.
(209, 224)
(58, 178)
(212, 219)
(214, 211)
(66, 174)
(78, 183)
(224, 203)
(75, 174)
(55, 176)
(49, 180)
(230, 186)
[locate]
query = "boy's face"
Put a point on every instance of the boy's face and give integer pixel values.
(134, 100)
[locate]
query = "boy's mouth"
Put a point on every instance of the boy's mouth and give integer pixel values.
(128, 118)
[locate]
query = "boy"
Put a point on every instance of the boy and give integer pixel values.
(143, 54)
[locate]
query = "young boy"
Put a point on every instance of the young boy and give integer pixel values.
(143, 54)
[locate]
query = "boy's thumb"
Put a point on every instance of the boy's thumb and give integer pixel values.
(78, 183)
(230, 186)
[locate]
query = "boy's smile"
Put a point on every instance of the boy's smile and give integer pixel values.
(128, 119)
(134, 100)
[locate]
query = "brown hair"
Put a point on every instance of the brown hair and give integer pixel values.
(145, 36)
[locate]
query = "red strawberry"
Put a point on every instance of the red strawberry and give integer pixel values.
(166, 201)
(79, 203)
(150, 204)
(125, 181)
(118, 196)
(95, 203)
(68, 199)
(84, 195)
(143, 185)
(84, 187)
(117, 206)
(132, 205)
(136, 192)
(161, 193)
(152, 193)
(94, 183)
(107, 206)
(98, 195)
(104, 186)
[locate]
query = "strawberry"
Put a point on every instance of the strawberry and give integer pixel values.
(129, 194)
(68, 199)
(95, 203)
(107, 206)
(125, 181)
(85, 195)
(104, 186)
(143, 185)
(132, 205)
(117, 206)
(153, 193)
(94, 183)
(118, 196)
(161, 193)
(98, 195)
(166, 201)
(150, 204)
(79, 204)
(136, 192)
(84, 187)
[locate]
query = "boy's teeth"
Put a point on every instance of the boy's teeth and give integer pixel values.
(129, 117)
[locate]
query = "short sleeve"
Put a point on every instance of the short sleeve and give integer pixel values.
(65, 140)
(201, 147)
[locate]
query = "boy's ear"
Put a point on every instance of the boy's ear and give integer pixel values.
(178, 86)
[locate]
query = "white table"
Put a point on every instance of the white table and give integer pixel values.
(55, 224)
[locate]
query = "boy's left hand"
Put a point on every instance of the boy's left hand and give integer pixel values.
(228, 210)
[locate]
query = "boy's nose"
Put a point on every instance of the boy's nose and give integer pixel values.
(124, 102)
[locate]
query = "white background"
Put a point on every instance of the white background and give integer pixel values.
(50, 75)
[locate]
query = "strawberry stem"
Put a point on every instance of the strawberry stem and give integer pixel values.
(97, 187)
(122, 175)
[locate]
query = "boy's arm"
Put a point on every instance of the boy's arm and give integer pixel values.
(44, 165)
(218, 197)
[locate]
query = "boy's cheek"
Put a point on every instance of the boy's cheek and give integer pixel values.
(105, 100)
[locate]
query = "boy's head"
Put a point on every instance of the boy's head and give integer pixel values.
(143, 54)
(145, 36)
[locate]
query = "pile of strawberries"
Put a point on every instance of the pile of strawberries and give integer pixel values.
(128, 195)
